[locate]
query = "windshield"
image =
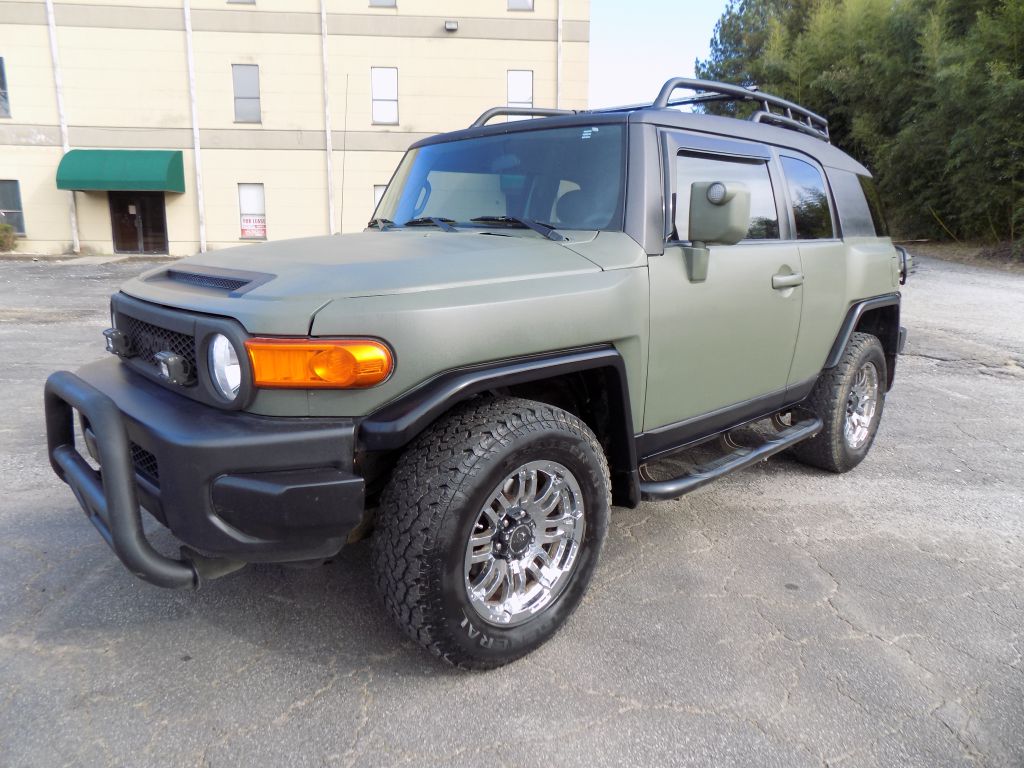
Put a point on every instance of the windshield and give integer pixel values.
(571, 178)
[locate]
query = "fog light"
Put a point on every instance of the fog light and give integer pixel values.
(118, 342)
(173, 368)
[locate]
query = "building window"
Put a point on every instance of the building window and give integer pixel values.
(246, 79)
(378, 193)
(753, 174)
(10, 206)
(520, 5)
(809, 198)
(520, 88)
(383, 4)
(5, 102)
(252, 209)
(384, 92)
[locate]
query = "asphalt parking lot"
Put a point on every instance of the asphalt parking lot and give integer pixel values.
(780, 618)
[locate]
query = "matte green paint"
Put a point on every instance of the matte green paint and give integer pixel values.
(122, 170)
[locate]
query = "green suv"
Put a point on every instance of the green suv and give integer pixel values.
(539, 311)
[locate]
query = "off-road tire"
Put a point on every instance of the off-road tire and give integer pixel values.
(431, 503)
(829, 450)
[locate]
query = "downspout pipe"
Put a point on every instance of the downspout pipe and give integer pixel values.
(197, 150)
(328, 139)
(58, 84)
(558, 64)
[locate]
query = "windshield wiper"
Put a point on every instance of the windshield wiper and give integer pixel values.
(381, 224)
(435, 221)
(539, 227)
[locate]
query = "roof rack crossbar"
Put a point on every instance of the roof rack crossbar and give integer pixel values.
(519, 112)
(793, 115)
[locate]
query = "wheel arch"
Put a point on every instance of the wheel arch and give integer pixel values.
(590, 383)
(879, 316)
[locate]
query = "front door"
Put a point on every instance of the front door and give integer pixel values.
(139, 222)
(724, 344)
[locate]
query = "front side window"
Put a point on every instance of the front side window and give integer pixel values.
(5, 101)
(571, 178)
(384, 92)
(10, 206)
(246, 81)
(753, 174)
(809, 197)
(252, 209)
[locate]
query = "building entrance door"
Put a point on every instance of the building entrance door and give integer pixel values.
(139, 222)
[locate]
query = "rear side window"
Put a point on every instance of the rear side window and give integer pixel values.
(874, 205)
(764, 216)
(809, 198)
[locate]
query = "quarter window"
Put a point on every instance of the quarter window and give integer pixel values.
(5, 102)
(10, 206)
(252, 209)
(246, 81)
(753, 174)
(809, 197)
(874, 206)
(384, 92)
(378, 193)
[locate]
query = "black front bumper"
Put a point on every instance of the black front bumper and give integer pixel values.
(232, 486)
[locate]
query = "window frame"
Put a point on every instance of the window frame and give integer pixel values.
(5, 91)
(833, 211)
(241, 213)
(374, 99)
(675, 141)
(258, 98)
(20, 210)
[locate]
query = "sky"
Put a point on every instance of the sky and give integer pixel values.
(636, 45)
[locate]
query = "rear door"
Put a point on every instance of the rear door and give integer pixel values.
(722, 347)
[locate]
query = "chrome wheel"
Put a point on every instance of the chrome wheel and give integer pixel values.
(524, 543)
(861, 406)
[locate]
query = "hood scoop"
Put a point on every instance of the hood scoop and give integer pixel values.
(233, 282)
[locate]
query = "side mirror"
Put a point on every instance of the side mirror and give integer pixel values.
(719, 213)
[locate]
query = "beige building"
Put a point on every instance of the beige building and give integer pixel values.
(255, 119)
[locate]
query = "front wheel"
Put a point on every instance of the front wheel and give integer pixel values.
(490, 528)
(849, 400)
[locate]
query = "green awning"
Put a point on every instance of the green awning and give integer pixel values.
(122, 170)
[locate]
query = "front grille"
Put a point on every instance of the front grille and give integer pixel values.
(147, 339)
(207, 281)
(145, 464)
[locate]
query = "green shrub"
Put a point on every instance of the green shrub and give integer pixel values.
(8, 239)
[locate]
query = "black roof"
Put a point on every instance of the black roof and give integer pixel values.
(787, 126)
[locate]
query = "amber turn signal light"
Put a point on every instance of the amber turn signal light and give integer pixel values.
(319, 363)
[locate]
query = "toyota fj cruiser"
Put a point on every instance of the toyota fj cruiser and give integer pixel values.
(538, 312)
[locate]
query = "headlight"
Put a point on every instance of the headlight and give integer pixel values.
(225, 369)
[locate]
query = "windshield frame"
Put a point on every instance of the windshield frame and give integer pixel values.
(391, 199)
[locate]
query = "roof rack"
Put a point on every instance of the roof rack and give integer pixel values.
(789, 115)
(519, 112)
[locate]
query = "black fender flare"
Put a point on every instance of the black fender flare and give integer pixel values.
(397, 423)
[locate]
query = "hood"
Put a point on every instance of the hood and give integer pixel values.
(284, 283)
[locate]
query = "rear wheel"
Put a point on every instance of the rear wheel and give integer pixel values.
(849, 400)
(490, 529)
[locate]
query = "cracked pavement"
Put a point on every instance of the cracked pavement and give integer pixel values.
(782, 617)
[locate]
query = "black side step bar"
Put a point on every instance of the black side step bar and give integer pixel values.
(663, 490)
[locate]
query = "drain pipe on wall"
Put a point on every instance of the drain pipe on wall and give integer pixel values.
(58, 85)
(558, 64)
(328, 140)
(197, 150)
